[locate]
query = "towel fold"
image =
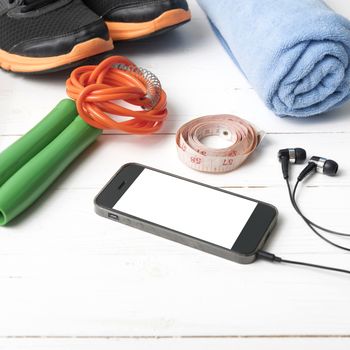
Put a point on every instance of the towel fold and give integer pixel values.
(295, 53)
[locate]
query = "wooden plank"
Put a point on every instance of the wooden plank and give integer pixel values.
(67, 274)
(188, 98)
(64, 271)
(96, 166)
(176, 344)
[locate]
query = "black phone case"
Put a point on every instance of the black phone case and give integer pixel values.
(249, 242)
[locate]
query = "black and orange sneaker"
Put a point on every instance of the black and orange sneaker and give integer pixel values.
(45, 35)
(135, 19)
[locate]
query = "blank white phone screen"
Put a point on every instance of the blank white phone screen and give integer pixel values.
(183, 206)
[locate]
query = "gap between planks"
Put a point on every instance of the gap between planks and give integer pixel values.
(174, 133)
(281, 336)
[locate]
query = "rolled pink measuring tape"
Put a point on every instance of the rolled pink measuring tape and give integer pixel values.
(244, 138)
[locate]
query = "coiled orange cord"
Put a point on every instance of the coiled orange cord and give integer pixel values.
(99, 91)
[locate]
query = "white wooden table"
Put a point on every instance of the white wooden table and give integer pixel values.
(70, 279)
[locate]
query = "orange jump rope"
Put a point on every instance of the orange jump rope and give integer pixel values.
(118, 79)
(116, 88)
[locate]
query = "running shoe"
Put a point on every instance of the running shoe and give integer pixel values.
(135, 19)
(45, 35)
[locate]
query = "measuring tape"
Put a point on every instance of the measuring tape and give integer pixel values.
(244, 137)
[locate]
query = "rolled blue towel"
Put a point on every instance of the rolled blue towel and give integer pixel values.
(295, 53)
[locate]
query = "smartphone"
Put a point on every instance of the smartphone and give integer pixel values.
(207, 218)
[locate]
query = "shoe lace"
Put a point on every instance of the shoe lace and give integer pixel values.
(30, 5)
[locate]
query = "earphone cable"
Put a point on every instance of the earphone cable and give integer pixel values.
(273, 258)
(293, 198)
(296, 207)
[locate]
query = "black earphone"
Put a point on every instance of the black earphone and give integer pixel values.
(321, 165)
(298, 156)
(291, 155)
(316, 164)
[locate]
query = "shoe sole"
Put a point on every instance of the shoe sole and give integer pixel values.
(23, 64)
(131, 31)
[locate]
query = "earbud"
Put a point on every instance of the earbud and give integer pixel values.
(321, 165)
(290, 155)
